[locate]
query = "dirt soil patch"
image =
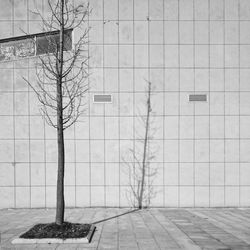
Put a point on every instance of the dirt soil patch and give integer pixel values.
(52, 230)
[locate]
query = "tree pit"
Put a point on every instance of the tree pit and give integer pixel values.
(52, 230)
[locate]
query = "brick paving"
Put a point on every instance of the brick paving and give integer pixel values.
(126, 229)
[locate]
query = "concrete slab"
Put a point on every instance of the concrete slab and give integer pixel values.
(122, 229)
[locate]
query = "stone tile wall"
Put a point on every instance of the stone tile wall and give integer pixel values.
(183, 47)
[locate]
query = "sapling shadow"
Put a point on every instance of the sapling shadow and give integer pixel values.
(138, 159)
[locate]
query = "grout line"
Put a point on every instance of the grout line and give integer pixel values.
(148, 47)
(115, 162)
(29, 116)
(224, 88)
(179, 151)
(131, 116)
(153, 67)
(94, 44)
(143, 20)
(89, 123)
(75, 173)
(209, 107)
(43, 8)
(113, 185)
(134, 93)
(14, 137)
(45, 162)
(119, 108)
(194, 118)
(138, 92)
(13, 113)
(239, 72)
(104, 108)
(129, 139)
(164, 96)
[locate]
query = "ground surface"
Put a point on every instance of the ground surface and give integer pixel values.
(151, 229)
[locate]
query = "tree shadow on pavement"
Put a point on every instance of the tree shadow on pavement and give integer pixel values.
(116, 216)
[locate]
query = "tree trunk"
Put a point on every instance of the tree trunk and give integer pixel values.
(140, 200)
(60, 137)
(60, 174)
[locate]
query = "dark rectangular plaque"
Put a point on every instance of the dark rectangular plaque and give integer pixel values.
(102, 98)
(197, 98)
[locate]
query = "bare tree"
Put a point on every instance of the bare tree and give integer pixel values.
(61, 74)
(141, 174)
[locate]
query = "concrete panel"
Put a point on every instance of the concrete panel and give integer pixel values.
(186, 196)
(97, 174)
(186, 9)
(22, 197)
(22, 150)
(82, 196)
(51, 173)
(70, 196)
(21, 10)
(7, 174)
(201, 196)
(83, 171)
(7, 197)
(112, 174)
(201, 174)
(112, 150)
(231, 32)
(171, 173)
(244, 10)
(82, 151)
(244, 174)
(6, 103)
(186, 174)
(6, 151)
(201, 9)
(37, 151)
(171, 196)
(232, 174)
(112, 196)
(38, 196)
(23, 174)
(217, 176)
(70, 174)
(6, 30)
(6, 127)
(232, 196)
(156, 32)
(232, 80)
(97, 196)
(37, 174)
(217, 150)
(37, 127)
(217, 196)
(126, 10)
(110, 31)
(50, 196)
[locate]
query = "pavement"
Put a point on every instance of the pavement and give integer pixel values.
(149, 229)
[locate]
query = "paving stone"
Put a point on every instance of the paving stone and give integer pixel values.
(173, 229)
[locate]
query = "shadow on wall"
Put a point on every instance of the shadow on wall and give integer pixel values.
(140, 172)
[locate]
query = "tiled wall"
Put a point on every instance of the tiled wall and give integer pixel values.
(183, 47)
